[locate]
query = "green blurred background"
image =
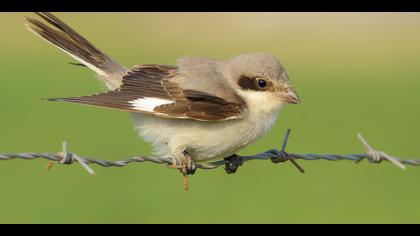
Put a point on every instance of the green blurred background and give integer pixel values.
(355, 72)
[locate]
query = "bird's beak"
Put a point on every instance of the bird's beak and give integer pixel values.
(290, 97)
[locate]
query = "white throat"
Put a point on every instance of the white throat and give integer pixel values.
(258, 102)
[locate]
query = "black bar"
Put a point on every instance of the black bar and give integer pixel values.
(211, 5)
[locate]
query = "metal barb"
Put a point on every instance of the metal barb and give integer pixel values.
(284, 156)
(378, 156)
(286, 139)
(67, 158)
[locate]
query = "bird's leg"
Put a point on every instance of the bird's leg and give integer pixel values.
(233, 164)
(189, 164)
(182, 168)
(187, 167)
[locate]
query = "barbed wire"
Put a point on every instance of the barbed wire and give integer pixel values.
(230, 164)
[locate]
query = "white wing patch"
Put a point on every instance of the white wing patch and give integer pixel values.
(149, 104)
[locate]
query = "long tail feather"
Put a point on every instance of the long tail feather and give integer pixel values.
(65, 38)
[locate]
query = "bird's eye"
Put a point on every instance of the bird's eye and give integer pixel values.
(262, 83)
(254, 83)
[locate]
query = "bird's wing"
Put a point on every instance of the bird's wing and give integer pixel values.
(153, 89)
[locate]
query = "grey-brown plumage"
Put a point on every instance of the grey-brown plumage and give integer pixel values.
(144, 81)
(155, 81)
(201, 108)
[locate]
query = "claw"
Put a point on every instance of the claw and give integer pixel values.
(233, 164)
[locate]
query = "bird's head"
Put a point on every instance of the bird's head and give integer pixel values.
(261, 80)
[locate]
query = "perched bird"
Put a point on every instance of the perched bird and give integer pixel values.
(198, 110)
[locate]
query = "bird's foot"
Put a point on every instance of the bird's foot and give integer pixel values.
(187, 167)
(233, 164)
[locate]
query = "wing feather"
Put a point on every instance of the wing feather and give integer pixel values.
(149, 89)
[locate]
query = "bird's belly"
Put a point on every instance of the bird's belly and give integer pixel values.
(204, 140)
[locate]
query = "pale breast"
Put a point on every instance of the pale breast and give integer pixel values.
(205, 140)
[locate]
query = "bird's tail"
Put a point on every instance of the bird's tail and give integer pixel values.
(65, 38)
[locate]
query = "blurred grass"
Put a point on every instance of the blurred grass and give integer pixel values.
(356, 72)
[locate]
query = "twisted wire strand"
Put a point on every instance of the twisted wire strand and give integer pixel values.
(276, 156)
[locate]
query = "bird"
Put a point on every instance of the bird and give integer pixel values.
(197, 110)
